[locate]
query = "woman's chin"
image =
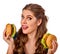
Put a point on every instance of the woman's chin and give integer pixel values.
(25, 32)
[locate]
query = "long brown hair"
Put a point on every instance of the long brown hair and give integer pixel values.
(21, 38)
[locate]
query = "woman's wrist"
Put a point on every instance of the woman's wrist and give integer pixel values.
(50, 51)
(10, 49)
(11, 46)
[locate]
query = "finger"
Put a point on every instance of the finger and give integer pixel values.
(8, 35)
(54, 45)
(4, 31)
(6, 38)
(11, 39)
(50, 51)
(4, 35)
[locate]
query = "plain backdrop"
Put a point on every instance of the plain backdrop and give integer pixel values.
(10, 12)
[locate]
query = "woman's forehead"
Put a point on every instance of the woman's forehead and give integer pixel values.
(27, 12)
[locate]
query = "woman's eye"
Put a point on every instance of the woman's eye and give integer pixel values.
(29, 18)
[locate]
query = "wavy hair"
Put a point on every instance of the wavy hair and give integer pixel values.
(21, 38)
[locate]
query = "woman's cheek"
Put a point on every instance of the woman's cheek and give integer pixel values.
(33, 26)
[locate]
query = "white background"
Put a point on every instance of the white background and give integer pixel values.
(10, 12)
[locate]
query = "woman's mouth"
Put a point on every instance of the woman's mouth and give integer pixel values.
(24, 27)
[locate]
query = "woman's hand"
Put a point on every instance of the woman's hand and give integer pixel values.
(54, 47)
(8, 38)
(10, 42)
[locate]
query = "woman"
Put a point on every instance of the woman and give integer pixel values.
(28, 38)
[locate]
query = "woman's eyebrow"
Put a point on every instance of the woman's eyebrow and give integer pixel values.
(29, 15)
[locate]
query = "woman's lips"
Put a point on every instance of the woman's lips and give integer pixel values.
(24, 27)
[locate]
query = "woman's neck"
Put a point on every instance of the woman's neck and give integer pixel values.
(31, 36)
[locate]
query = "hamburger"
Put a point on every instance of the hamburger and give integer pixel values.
(10, 30)
(47, 40)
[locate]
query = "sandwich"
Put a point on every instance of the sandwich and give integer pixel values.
(10, 30)
(47, 40)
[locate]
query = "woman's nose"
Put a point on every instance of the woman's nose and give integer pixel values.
(24, 21)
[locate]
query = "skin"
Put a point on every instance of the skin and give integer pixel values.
(28, 19)
(9, 41)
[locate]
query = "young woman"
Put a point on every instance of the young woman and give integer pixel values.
(28, 38)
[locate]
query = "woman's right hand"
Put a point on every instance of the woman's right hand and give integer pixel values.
(10, 42)
(8, 38)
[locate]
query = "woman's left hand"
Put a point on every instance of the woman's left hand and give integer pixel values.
(54, 47)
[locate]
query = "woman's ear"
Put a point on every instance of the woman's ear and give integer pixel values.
(39, 22)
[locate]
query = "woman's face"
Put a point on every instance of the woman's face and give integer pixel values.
(29, 22)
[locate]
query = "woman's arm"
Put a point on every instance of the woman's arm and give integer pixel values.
(10, 42)
(10, 49)
(54, 45)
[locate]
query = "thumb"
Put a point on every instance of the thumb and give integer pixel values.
(8, 36)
